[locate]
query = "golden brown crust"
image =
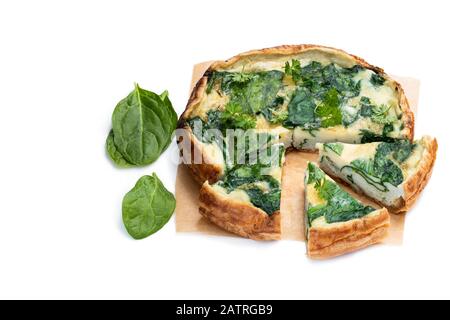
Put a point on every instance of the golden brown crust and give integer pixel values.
(341, 238)
(417, 182)
(238, 217)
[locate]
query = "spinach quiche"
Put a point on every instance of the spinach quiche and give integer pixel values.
(302, 95)
(336, 223)
(392, 173)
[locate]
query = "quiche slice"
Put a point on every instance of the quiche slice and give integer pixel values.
(391, 173)
(307, 93)
(337, 223)
(246, 200)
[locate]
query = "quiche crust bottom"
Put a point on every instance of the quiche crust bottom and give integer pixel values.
(341, 238)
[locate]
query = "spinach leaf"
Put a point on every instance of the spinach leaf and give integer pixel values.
(147, 207)
(368, 136)
(366, 107)
(321, 79)
(301, 110)
(114, 154)
(272, 112)
(142, 126)
(341, 80)
(268, 201)
(377, 80)
(169, 107)
(402, 149)
(336, 147)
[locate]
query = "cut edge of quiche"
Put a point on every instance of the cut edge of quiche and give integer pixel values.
(335, 222)
(391, 173)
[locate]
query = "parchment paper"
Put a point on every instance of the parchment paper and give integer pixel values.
(188, 218)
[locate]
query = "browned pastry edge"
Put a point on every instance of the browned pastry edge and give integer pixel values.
(341, 238)
(414, 185)
(238, 217)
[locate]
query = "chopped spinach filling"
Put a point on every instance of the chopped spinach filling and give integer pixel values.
(319, 99)
(368, 136)
(339, 206)
(321, 90)
(263, 189)
(377, 80)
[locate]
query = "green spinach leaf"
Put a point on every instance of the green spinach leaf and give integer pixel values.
(377, 80)
(336, 147)
(368, 136)
(142, 126)
(114, 154)
(301, 110)
(272, 112)
(147, 207)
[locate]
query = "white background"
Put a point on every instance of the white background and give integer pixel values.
(65, 64)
